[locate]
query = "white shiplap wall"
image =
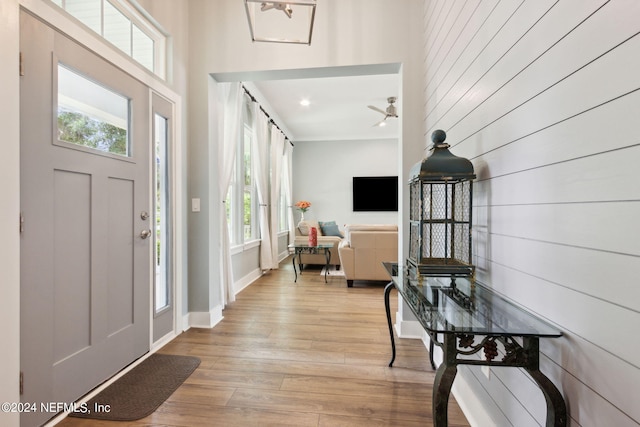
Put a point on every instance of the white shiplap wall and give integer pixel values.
(544, 97)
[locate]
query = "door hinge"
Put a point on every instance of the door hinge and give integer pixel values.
(21, 66)
(21, 382)
(21, 222)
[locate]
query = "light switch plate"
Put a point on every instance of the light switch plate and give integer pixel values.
(195, 205)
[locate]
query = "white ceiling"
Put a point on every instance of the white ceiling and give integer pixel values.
(338, 106)
(338, 98)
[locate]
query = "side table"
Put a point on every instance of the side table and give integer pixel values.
(304, 248)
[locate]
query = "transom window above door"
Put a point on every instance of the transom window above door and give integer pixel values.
(125, 27)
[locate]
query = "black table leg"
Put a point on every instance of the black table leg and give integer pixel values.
(431, 347)
(445, 375)
(327, 255)
(556, 407)
(293, 261)
(387, 291)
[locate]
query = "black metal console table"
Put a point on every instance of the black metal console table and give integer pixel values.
(462, 313)
(304, 248)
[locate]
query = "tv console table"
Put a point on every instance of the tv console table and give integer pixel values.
(460, 310)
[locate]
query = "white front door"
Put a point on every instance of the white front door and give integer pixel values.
(87, 233)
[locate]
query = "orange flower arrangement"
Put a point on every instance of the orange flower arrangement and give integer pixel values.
(303, 205)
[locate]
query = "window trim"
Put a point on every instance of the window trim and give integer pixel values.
(140, 18)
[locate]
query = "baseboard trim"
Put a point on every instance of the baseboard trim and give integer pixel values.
(207, 320)
(163, 341)
(239, 285)
(474, 408)
(185, 322)
(410, 329)
(204, 319)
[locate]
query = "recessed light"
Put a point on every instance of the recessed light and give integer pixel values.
(382, 124)
(305, 102)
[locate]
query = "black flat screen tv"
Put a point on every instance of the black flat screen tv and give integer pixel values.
(375, 193)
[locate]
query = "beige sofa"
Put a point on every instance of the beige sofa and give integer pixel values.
(302, 236)
(364, 248)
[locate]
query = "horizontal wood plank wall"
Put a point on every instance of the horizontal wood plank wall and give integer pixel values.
(544, 97)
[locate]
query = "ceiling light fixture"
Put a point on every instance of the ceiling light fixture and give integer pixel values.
(294, 25)
(285, 7)
(305, 103)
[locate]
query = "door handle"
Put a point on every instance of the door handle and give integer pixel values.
(145, 233)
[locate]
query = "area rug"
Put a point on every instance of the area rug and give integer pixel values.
(140, 391)
(332, 271)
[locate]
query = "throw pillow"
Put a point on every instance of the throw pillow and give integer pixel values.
(330, 228)
(305, 226)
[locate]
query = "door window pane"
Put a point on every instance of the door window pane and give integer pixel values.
(161, 215)
(91, 115)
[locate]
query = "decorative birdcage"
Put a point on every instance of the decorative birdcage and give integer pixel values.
(441, 188)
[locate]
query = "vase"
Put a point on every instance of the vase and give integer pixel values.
(301, 216)
(313, 236)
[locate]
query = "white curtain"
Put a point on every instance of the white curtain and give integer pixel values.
(231, 97)
(277, 151)
(287, 187)
(261, 163)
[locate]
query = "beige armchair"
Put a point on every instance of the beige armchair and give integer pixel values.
(364, 249)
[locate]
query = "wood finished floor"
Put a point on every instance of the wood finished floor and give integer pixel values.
(299, 354)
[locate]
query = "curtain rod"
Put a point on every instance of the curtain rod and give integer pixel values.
(267, 114)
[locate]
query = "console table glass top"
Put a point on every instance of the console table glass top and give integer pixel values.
(466, 308)
(306, 245)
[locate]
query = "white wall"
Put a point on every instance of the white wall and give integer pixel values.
(544, 98)
(216, 40)
(323, 172)
(358, 32)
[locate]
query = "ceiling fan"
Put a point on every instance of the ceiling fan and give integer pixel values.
(389, 112)
(285, 7)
